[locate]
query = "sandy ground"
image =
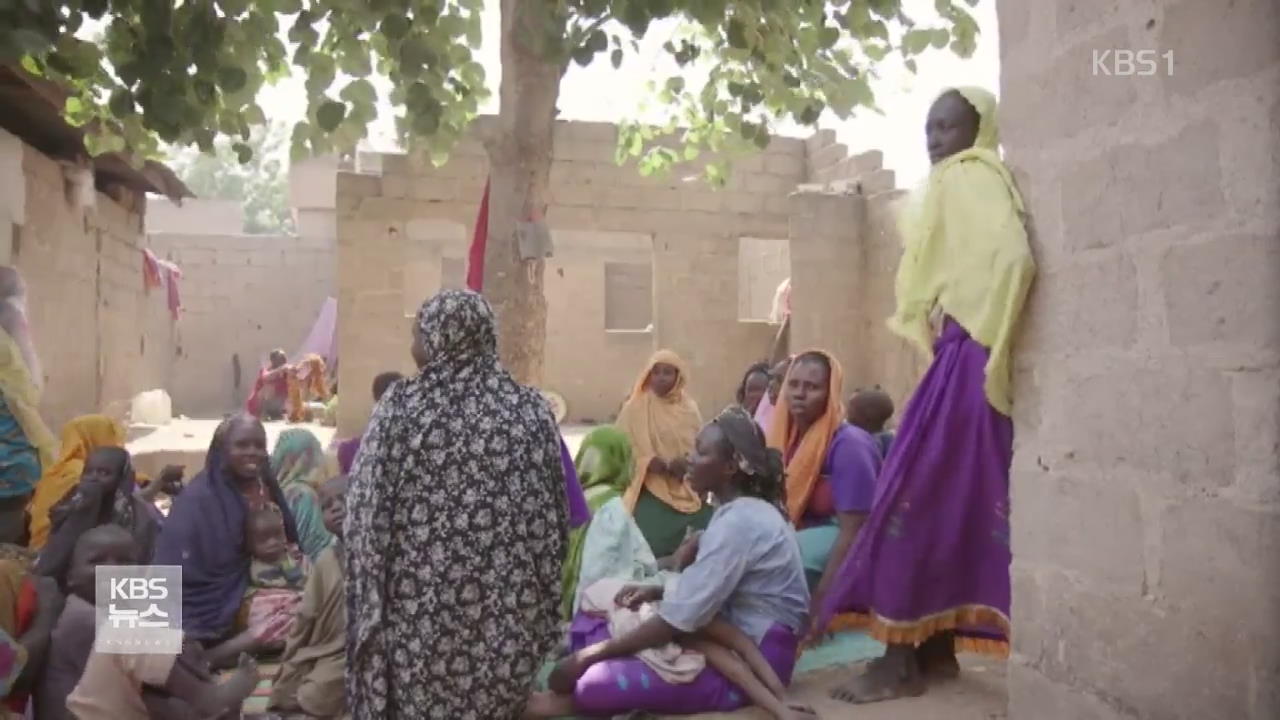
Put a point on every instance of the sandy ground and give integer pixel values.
(978, 694)
(186, 440)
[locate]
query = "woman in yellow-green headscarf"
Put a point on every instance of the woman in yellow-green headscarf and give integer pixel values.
(929, 571)
(26, 445)
(79, 438)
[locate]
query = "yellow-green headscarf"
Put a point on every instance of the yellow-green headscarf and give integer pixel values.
(966, 251)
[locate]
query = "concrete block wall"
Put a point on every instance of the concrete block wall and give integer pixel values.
(845, 250)
(1146, 477)
(693, 231)
(101, 337)
(243, 296)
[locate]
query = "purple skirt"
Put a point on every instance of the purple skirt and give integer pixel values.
(622, 685)
(934, 553)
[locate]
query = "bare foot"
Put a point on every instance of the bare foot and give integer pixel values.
(800, 711)
(887, 678)
(937, 657)
(543, 705)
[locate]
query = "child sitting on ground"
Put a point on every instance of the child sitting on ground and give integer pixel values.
(74, 633)
(314, 661)
(871, 409)
(277, 573)
(80, 683)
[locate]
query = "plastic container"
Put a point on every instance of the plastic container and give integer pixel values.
(153, 407)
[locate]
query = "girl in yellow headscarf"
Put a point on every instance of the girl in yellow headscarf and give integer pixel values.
(929, 572)
(661, 422)
(79, 438)
(26, 445)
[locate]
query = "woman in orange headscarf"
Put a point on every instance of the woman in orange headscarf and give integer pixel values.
(662, 421)
(831, 465)
(79, 438)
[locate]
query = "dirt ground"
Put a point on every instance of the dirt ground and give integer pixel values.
(978, 694)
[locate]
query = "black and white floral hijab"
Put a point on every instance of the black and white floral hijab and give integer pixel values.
(458, 494)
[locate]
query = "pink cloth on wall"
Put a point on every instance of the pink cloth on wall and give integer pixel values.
(157, 273)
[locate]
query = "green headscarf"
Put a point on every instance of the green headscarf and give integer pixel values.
(298, 464)
(604, 470)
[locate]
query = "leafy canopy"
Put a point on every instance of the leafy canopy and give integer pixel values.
(261, 184)
(187, 72)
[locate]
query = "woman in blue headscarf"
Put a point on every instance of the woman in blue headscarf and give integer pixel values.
(205, 531)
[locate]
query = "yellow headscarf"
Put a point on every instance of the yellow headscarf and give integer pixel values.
(22, 396)
(966, 252)
(79, 438)
(663, 427)
(804, 465)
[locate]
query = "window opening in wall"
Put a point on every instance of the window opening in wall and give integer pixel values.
(453, 273)
(628, 296)
(763, 265)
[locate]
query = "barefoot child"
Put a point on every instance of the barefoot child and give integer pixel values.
(76, 628)
(870, 409)
(311, 674)
(277, 573)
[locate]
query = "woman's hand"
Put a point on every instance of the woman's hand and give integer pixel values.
(677, 468)
(633, 596)
(564, 677)
(684, 555)
(49, 600)
(657, 466)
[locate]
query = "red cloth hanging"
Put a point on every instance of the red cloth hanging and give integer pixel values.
(475, 258)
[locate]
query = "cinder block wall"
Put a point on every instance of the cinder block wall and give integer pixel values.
(845, 250)
(693, 233)
(1146, 479)
(101, 337)
(243, 296)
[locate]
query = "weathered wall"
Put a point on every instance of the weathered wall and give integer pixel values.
(1146, 479)
(243, 296)
(101, 337)
(844, 255)
(599, 213)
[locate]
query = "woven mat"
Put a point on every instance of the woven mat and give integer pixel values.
(256, 704)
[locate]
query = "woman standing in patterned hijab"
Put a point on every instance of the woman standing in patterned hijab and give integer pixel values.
(456, 531)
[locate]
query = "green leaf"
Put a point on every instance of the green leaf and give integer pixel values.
(598, 41)
(359, 92)
(615, 58)
(675, 85)
(243, 152)
(232, 79)
(121, 103)
(736, 34)
(583, 55)
(828, 36)
(914, 42)
(330, 115)
(395, 26)
(940, 38)
(910, 63)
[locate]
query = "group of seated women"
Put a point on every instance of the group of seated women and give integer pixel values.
(257, 537)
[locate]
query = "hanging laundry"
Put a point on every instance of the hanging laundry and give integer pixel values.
(158, 273)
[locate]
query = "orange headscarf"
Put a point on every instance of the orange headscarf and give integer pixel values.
(663, 427)
(79, 438)
(805, 457)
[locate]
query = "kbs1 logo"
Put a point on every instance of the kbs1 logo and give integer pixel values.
(1132, 63)
(139, 609)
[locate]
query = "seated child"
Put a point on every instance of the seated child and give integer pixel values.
(871, 409)
(314, 662)
(277, 573)
(160, 686)
(76, 628)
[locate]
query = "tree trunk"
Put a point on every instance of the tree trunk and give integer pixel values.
(520, 153)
